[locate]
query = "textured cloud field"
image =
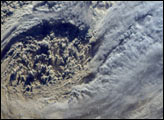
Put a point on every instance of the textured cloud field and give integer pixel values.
(122, 76)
